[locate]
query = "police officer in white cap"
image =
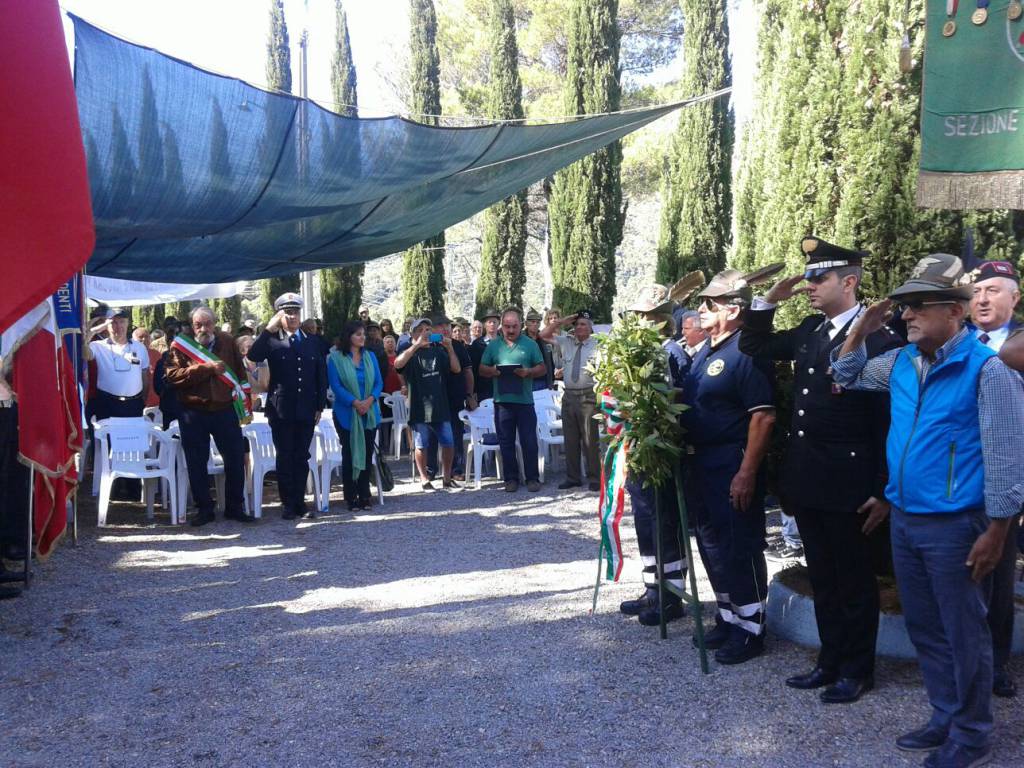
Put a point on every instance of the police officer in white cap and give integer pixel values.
(297, 396)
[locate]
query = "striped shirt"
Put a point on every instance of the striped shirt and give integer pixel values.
(1000, 414)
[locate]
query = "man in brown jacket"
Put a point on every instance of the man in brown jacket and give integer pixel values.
(207, 410)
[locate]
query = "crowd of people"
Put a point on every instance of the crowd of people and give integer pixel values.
(903, 446)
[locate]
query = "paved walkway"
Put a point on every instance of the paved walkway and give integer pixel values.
(439, 630)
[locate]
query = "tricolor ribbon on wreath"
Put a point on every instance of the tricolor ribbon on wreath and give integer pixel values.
(241, 392)
(613, 485)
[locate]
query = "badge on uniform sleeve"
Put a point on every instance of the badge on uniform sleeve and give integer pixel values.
(716, 367)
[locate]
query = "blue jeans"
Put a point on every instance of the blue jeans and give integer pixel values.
(196, 429)
(945, 611)
(510, 420)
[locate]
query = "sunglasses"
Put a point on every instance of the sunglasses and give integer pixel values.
(917, 306)
(713, 306)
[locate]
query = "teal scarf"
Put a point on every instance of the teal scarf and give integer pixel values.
(347, 373)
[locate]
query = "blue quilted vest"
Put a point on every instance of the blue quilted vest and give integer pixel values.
(934, 444)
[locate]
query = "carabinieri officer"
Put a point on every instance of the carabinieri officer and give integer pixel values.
(728, 429)
(298, 395)
(834, 474)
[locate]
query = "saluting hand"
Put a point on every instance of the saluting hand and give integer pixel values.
(276, 321)
(877, 510)
(874, 317)
(786, 289)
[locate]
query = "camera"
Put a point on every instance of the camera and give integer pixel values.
(436, 338)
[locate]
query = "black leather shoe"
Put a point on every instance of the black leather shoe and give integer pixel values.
(239, 517)
(816, 678)
(568, 484)
(922, 740)
(309, 514)
(1003, 684)
(14, 551)
(289, 515)
(652, 616)
(202, 518)
(741, 646)
(716, 637)
(6, 593)
(9, 577)
(649, 599)
(847, 690)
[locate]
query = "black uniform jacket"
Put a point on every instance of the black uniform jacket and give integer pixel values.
(835, 454)
(298, 375)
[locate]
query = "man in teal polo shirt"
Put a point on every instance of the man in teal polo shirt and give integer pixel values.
(513, 361)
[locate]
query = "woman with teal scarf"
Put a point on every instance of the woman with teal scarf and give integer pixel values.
(356, 382)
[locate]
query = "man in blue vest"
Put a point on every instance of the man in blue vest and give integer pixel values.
(956, 479)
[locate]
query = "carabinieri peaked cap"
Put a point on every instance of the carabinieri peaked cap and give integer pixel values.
(822, 256)
(940, 274)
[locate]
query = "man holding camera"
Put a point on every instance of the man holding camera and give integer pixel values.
(427, 366)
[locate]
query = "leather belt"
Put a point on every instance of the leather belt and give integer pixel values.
(119, 397)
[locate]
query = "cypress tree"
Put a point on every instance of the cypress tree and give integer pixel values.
(503, 258)
(423, 284)
(586, 211)
(697, 204)
(148, 317)
(279, 78)
(341, 289)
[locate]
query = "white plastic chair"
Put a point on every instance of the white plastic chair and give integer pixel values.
(479, 422)
(154, 414)
(98, 427)
(548, 437)
(399, 421)
(329, 451)
(262, 459)
(123, 450)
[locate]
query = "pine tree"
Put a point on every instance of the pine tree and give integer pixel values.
(423, 284)
(503, 258)
(586, 210)
(341, 289)
(695, 217)
(279, 78)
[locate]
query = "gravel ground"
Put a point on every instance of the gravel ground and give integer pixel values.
(442, 629)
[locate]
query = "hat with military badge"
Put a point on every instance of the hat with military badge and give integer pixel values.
(288, 301)
(533, 314)
(939, 274)
(491, 313)
(989, 269)
(585, 314)
(731, 286)
(823, 256)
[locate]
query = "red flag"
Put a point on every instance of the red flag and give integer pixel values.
(46, 229)
(48, 433)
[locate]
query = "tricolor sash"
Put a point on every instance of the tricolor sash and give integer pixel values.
(241, 392)
(613, 486)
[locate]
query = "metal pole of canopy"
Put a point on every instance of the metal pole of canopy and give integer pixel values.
(305, 278)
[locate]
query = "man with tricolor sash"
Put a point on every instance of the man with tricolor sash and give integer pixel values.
(207, 374)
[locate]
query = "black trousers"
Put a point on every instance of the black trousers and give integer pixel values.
(197, 427)
(14, 479)
(356, 488)
(291, 441)
(643, 503)
(840, 562)
(1000, 604)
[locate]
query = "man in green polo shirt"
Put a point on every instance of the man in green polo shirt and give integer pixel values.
(513, 361)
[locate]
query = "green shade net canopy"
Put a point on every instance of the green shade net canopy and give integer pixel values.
(197, 177)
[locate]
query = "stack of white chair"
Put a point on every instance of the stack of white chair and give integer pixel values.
(479, 422)
(134, 448)
(399, 421)
(549, 426)
(263, 459)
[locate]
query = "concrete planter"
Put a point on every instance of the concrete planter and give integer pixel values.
(791, 616)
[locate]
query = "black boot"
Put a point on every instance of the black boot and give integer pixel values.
(673, 610)
(649, 599)
(716, 637)
(742, 646)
